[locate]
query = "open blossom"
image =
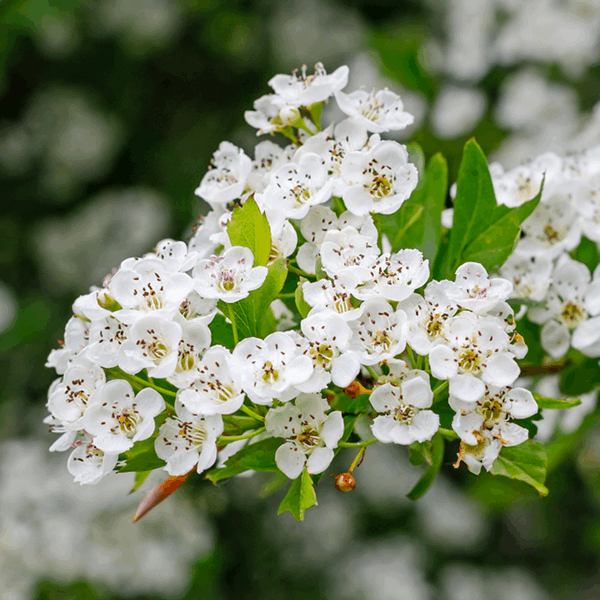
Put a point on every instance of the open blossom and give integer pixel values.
(296, 186)
(482, 454)
(117, 417)
(326, 341)
(380, 332)
(229, 277)
(401, 399)
(572, 299)
(195, 340)
(267, 157)
(396, 277)
(217, 387)
(300, 89)
(311, 435)
(493, 413)
(426, 316)
(377, 111)
(266, 116)
(148, 288)
(188, 441)
(106, 337)
(76, 337)
(530, 275)
(226, 180)
(378, 180)
(474, 290)
(87, 463)
(153, 344)
(472, 352)
(270, 368)
(333, 295)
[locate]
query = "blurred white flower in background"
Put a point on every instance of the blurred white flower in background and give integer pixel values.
(457, 111)
(80, 250)
(74, 140)
(50, 528)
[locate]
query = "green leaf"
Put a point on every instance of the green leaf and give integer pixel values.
(301, 304)
(319, 272)
(581, 377)
(221, 332)
(140, 477)
(482, 231)
(269, 487)
(299, 497)
(555, 402)
(249, 227)
(142, 456)
(428, 477)
(420, 453)
(416, 156)
(259, 456)
(526, 462)
(356, 405)
(249, 313)
(517, 302)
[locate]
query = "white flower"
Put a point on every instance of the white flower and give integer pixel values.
(284, 238)
(117, 418)
(195, 340)
(350, 253)
(377, 111)
(492, 413)
(217, 388)
(76, 338)
(378, 180)
(267, 157)
(326, 342)
(69, 397)
(153, 344)
(572, 299)
(270, 368)
(426, 316)
(229, 277)
(333, 295)
(197, 308)
(587, 193)
(203, 241)
(473, 352)
(311, 434)
(380, 333)
(266, 114)
(396, 277)
(148, 288)
(401, 398)
(296, 186)
(516, 187)
(106, 337)
(551, 229)
(304, 90)
(188, 441)
(475, 291)
(226, 180)
(87, 463)
(482, 454)
(530, 276)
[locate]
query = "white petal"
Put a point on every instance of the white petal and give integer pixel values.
(442, 363)
(290, 460)
(319, 460)
(417, 391)
(333, 429)
(424, 425)
(501, 370)
(344, 369)
(467, 387)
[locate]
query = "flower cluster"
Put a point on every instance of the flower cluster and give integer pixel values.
(289, 297)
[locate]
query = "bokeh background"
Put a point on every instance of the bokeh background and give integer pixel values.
(109, 113)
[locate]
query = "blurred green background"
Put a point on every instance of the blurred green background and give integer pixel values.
(109, 114)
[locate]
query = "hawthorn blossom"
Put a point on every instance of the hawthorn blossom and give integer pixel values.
(493, 412)
(270, 368)
(482, 454)
(106, 337)
(530, 275)
(473, 352)
(380, 332)
(267, 158)
(326, 342)
(229, 277)
(195, 340)
(187, 441)
(87, 463)
(377, 111)
(226, 179)
(296, 186)
(401, 399)
(153, 344)
(334, 295)
(378, 180)
(474, 290)
(117, 417)
(396, 277)
(76, 338)
(217, 387)
(266, 116)
(304, 90)
(311, 435)
(572, 299)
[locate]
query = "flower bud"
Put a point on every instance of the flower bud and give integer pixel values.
(356, 389)
(289, 115)
(345, 482)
